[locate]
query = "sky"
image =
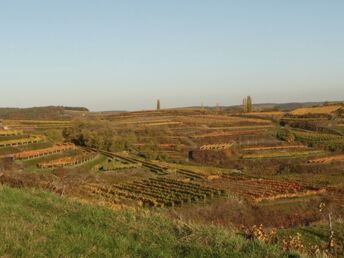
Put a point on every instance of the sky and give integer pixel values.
(124, 55)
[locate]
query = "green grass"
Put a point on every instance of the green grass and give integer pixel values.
(318, 234)
(39, 224)
(88, 166)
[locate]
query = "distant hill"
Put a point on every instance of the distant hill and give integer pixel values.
(76, 109)
(42, 113)
(289, 106)
(111, 112)
(266, 106)
(271, 106)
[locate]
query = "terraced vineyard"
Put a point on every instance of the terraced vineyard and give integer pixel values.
(185, 159)
(10, 132)
(22, 141)
(283, 147)
(327, 141)
(216, 147)
(156, 169)
(43, 152)
(37, 124)
(130, 162)
(189, 174)
(68, 161)
(112, 164)
(278, 154)
(259, 189)
(160, 192)
(229, 133)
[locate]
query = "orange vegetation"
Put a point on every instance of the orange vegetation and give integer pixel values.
(259, 189)
(232, 133)
(316, 110)
(68, 161)
(222, 146)
(163, 123)
(42, 152)
(209, 119)
(257, 148)
(268, 113)
(327, 159)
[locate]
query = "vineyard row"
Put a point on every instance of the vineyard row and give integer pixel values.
(268, 189)
(22, 141)
(25, 155)
(68, 161)
(10, 132)
(160, 192)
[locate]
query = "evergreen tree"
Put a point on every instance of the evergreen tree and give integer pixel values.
(244, 105)
(249, 104)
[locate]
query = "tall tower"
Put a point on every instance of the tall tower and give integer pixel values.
(158, 104)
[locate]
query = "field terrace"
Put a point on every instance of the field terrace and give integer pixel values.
(187, 129)
(37, 124)
(220, 186)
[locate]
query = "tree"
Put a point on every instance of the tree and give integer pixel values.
(158, 105)
(244, 105)
(218, 107)
(247, 104)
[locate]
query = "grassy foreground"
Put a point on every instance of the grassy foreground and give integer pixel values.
(39, 224)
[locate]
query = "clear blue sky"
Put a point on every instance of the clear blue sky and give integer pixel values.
(123, 55)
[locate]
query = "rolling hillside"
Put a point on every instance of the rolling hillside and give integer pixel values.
(39, 224)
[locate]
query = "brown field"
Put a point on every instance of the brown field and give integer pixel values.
(327, 159)
(217, 120)
(316, 110)
(259, 189)
(258, 148)
(266, 114)
(289, 154)
(230, 133)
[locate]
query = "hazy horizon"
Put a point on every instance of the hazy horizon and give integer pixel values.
(153, 106)
(124, 55)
